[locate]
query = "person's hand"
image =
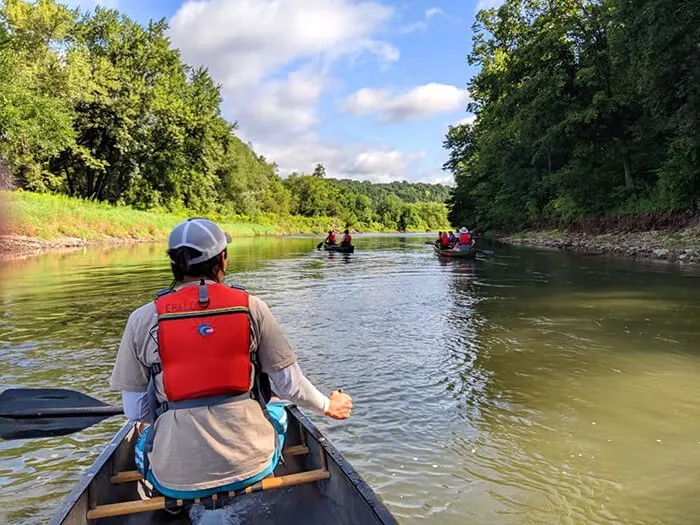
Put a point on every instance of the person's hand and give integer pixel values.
(340, 406)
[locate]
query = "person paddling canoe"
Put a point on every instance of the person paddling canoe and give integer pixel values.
(466, 242)
(197, 364)
(332, 239)
(347, 238)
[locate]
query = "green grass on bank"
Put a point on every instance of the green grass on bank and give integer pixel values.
(51, 216)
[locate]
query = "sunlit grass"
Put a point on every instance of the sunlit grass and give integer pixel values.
(52, 216)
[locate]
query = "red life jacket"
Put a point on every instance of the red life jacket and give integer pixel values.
(331, 238)
(444, 240)
(204, 348)
(465, 238)
(347, 239)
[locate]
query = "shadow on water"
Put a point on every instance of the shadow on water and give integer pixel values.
(528, 387)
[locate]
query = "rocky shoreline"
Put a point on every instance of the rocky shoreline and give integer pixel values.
(21, 246)
(682, 246)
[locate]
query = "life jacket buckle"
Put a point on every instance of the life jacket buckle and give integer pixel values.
(203, 295)
(162, 409)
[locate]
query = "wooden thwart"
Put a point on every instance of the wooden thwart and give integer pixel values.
(157, 503)
(129, 476)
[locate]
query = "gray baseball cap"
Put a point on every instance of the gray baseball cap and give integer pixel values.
(201, 234)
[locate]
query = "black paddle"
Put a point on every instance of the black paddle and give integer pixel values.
(44, 412)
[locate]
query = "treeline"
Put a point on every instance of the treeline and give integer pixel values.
(96, 106)
(585, 108)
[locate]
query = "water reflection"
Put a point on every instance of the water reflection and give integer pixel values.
(531, 387)
(576, 391)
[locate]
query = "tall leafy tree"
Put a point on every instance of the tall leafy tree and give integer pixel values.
(584, 108)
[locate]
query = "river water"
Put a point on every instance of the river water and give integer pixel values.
(529, 387)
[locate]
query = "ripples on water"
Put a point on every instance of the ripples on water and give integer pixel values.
(534, 387)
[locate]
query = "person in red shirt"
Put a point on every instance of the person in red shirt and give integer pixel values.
(465, 240)
(347, 238)
(331, 239)
(444, 241)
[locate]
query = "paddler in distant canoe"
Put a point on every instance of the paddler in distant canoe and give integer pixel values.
(197, 363)
(466, 242)
(331, 239)
(347, 239)
(444, 241)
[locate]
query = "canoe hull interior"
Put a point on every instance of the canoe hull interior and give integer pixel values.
(455, 254)
(343, 498)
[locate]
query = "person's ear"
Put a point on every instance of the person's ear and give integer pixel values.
(223, 262)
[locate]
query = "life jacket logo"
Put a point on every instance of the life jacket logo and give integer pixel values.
(205, 329)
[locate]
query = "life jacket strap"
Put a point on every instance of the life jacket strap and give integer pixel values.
(206, 401)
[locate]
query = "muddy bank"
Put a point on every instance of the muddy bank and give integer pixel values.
(20, 246)
(682, 245)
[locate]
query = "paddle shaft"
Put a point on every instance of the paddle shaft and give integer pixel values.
(63, 412)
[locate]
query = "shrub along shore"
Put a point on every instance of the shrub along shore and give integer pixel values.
(35, 223)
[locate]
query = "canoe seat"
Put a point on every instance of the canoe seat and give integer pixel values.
(160, 502)
(129, 476)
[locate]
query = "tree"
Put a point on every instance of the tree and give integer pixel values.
(319, 171)
(97, 106)
(585, 108)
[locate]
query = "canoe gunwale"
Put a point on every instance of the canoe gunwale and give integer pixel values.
(373, 502)
(455, 254)
(377, 505)
(80, 488)
(336, 248)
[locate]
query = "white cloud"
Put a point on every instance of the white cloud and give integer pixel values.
(470, 119)
(381, 166)
(274, 60)
(354, 161)
(279, 107)
(415, 27)
(488, 4)
(244, 41)
(422, 25)
(419, 102)
(432, 11)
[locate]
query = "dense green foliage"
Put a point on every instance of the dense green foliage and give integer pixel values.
(96, 106)
(49, 216)
(584, 108)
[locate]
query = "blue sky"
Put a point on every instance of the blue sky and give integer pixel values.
(367, 87)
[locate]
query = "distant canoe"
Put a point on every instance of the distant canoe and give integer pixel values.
(337, 248)
(455, 254)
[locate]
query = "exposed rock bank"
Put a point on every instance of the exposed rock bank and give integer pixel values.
(20, 246)
(681, 246)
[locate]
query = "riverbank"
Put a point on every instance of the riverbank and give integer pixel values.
(35, 223)
(681, 246)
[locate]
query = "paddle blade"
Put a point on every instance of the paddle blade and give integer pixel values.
(11, 428)
(486, 252)
(41, 412)
(28, 399)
